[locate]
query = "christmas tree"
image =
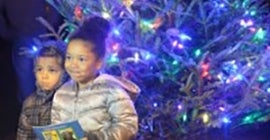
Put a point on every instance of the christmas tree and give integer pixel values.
(201, 64)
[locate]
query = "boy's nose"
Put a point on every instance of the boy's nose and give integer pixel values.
(45, 75)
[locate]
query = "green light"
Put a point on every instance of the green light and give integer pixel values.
(245, 3)
(113, 59)
(71, 29)
(236, 4)
(146, 25)
(185, 117)
(260, 35)
(261, 79)
(174, 62)
(253, 13)
(248, 119)
(86, 10)
(252, 118)
(198, 52)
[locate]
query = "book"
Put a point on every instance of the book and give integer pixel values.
(64, 131)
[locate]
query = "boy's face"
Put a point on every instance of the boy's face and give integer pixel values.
(48, 72)
(81, 63)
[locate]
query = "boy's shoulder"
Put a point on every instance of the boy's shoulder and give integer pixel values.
(29, 101)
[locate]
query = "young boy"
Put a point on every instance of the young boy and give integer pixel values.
(36, 110)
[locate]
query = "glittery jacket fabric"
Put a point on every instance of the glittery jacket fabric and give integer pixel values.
(105, 108)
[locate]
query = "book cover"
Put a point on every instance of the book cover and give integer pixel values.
(65, 131)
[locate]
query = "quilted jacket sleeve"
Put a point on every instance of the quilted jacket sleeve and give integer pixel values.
(124, 124)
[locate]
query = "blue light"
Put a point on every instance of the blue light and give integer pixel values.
(185, 37)
(116, 32)
(222, 5)
(261, 79)
(268, 90)
(147, 56)
(155, 104)
(239, 77)
(66, 40)
(226, 120)
(34, 48)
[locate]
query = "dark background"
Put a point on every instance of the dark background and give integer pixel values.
(17, 22)
(17, 28)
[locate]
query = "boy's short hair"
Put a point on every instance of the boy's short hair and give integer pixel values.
(50, 51)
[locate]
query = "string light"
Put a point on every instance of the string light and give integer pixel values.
(222, 5)
(136, 57)
(261, 79)
(260, 35)
(198, 52)
(179, 107)
(221, 108)
(34, 48)
(226, 120)
(180, 46)
(185, 37)
(174, 43)
(113, 58)
(246, 23)
(106, 15)
(268, 90)
(205, 117)
(230, 68)
(155, 104)
(115, 47)
(116, 32)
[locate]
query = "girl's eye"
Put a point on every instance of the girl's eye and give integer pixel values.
(82, 59)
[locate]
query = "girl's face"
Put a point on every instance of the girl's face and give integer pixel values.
(48, 72)
(81, 63)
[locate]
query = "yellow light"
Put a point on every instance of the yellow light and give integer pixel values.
(205, 117)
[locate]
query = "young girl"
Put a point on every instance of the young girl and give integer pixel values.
(100, 102)
(36, 110)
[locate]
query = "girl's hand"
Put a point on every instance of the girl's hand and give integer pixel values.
(84, 138)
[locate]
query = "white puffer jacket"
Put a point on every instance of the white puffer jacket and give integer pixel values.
(104, 109)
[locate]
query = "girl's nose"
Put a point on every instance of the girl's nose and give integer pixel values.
(73, 64)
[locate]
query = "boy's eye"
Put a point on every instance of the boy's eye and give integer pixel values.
(68, 57)
(38, 69)
(52, 70)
